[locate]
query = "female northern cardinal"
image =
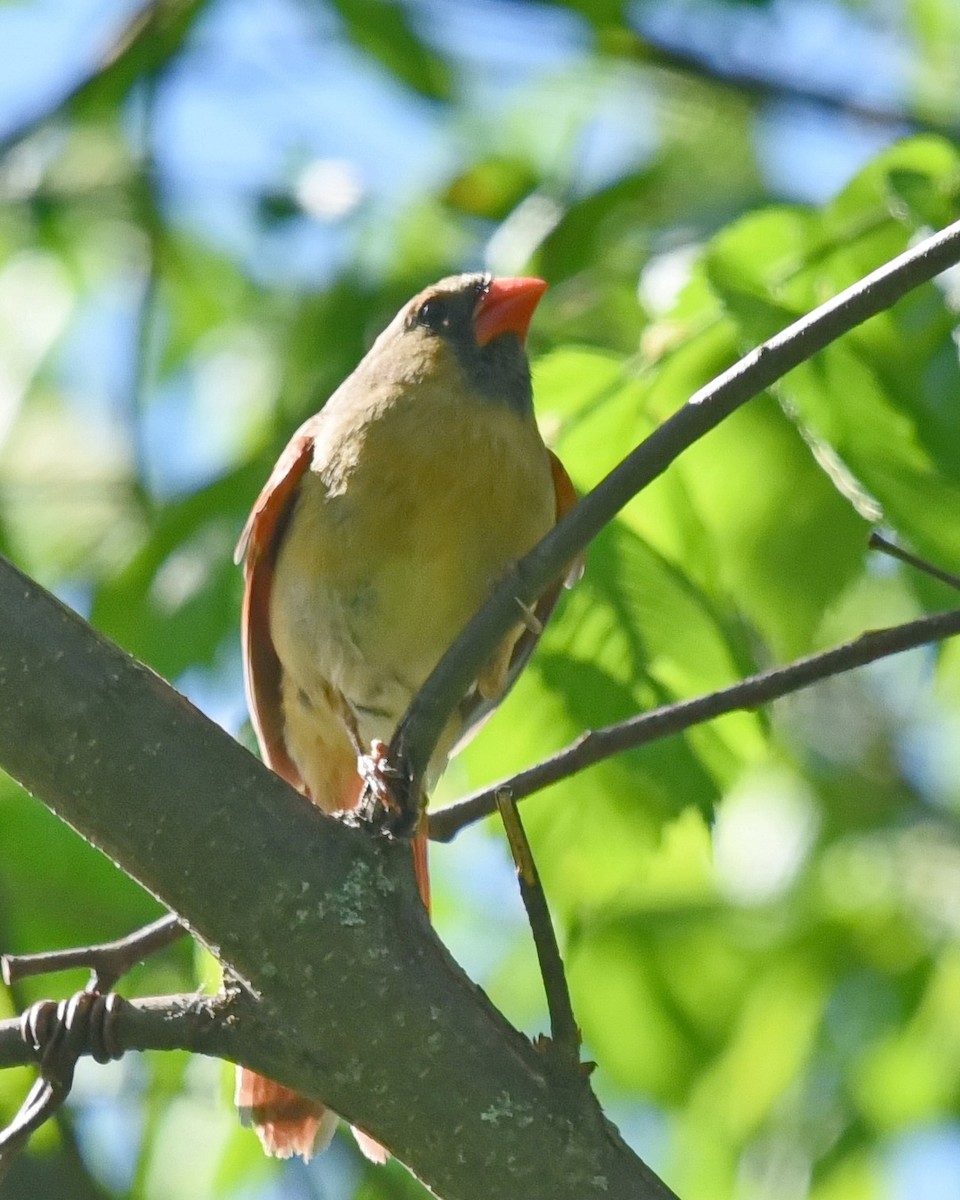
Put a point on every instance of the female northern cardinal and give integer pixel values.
(385, 523)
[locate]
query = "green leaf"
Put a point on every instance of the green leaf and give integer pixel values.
(385, 31)
(491, 187)
(178, 597)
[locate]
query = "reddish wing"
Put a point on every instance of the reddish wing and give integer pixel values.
(259, 544)
(566, 499)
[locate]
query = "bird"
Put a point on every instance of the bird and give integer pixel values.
(387, 520)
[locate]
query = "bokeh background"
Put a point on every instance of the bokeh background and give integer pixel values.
(207, 210)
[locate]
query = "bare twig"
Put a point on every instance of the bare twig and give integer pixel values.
(720, 67)
(107, 962)
(55, 1035)
(563, 1027)
(598, 744)
(58, 1034)
(879, 542)
(203, 1024)
(66, 1135)
(432, 707)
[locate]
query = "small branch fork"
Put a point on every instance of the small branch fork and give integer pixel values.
(60, 1033)
(107, 962)
(661, 722)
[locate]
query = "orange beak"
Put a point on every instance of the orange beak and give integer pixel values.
(506, 307)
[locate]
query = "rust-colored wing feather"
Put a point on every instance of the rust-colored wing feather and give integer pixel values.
(258, 546)
(286, 1123)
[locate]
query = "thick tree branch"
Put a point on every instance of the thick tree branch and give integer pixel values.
(432, 707)
(597, 744)
(349, 996)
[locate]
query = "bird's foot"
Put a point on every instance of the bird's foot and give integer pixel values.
(379, 776)
(385, 802)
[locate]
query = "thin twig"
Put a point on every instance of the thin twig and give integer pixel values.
(598, 744)
(879, 542)
(758, 82)
(107, 962)
(58, 1034)
(431, 708)
(564, 1032)
(66, 1133)
(198, 1023)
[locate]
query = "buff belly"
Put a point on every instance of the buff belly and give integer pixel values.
(386, 558)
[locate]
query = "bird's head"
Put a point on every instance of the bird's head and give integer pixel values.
(478, 322)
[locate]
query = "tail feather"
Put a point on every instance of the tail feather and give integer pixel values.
(287, 1123)
(371, 1148)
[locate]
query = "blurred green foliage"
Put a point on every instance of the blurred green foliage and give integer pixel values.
(761, 917)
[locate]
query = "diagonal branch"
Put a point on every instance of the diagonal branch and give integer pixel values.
(597, 744)
(878, 542)
(720, 65)
(432, 707)
(345, 993)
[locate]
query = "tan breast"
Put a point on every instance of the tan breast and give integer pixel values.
(401, 528)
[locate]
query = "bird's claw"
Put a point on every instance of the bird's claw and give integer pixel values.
(385, 800)
(379, 775)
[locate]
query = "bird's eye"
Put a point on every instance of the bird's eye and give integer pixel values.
(434, 314)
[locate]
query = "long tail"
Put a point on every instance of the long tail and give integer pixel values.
(287, 1123)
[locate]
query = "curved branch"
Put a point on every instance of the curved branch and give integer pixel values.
(433, 706)
(597, 744)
